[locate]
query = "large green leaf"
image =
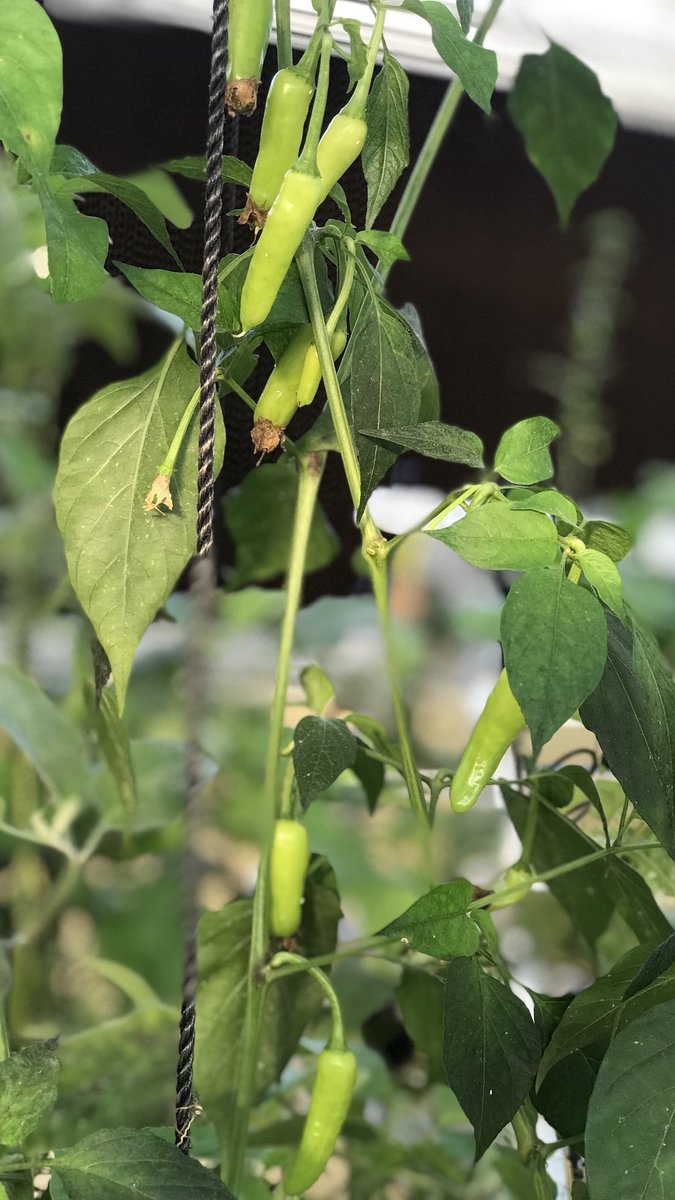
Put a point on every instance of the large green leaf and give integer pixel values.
(630, 1137)
(82, 176)
(474, 66)
(632, 714)
(434, 439)
(568, 124)
(132, 1164)
(590, 894)
(438, 923)
(322, 750)
(659, 960)
(30, 83)
(386, 150)
(123, 561)
(554, 638)
(177, 292)
(43, 732)
(77, 247)
(420, 998)
(522, 454)
(224, 947)
(260, 516)
(28, 1081)
(501, 538)
(490, 1048)
(383, 390)
(598, 1013)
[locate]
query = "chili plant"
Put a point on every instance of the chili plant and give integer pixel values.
(597, 1065)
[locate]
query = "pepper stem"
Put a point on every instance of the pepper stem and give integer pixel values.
(307, 160)
(356, 107)
(160, 492)
(337, 1037)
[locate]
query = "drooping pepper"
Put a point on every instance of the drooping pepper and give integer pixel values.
(499, 723)
(248, 31)
(331, 1097)
(289, 859)
(294, 382)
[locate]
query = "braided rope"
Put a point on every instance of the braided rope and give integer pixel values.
(202, 577)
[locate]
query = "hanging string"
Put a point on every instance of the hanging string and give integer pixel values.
(202, 577)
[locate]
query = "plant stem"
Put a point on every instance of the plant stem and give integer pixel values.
(282, 10)
(526, 1136)
(307, 160)
(309, 478)
(232, 1166)
(427, 156)
(167, 466)
(380, 580)
(356, 106)
(337, 1039)
(530, 830)
(564, 869)
(360, 946)
(5, 1050)
(373, 545)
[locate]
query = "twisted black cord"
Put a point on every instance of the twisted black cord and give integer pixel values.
(202, 578)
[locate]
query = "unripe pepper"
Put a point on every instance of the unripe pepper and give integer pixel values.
(248, 31)
(289, 858)
(499, 723)
(281, 395)
(339, 147)
(286, 111)
(331, 1097)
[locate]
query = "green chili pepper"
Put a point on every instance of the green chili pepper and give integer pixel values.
(331, 1097)
(284, 230)
(339, 147)
(286, 111)
(499, 723)
(249, 24)
(288, 866)
(516, 877)
(310, 377)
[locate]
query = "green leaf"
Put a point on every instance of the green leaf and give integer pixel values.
(388, 248)
(438, 923)
(475, 66)
(495, 536)
(555, 646)
(114, 741)
(465, 13)
(77, 247)
(632, 714)
(194, 167)
(430, 400)
(260, 516)
(630, 1139)
(83, 176)
(370, 774)
(123, 561)
(659, 960)
(386, 151)
(358, 56)
(31, 84)
(383, 387)
(118, 1070)
(568, 124)
(490, 1048)
(612, 540)
(522, 454)
(420, 997)
(322, 750)
(44, 733)
(224, 947)
(318, 688)
(548, 1012)
(434, 439)
(375, 732)
(590, 895)
(176, 292)
(548, 501)
(28, 1083)
(160, 767)
(604, 578)
(133, 1164)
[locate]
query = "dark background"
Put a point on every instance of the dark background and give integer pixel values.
(492, 274)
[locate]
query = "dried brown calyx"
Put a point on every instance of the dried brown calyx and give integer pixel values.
(266, 436)
(241, 96)
(252, 215)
